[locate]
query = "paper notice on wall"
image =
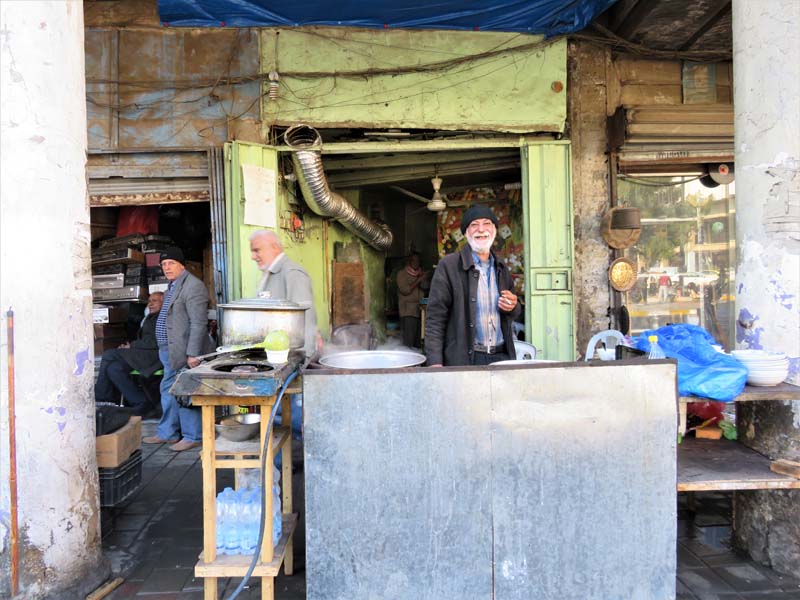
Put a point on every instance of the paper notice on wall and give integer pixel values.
(260, 207)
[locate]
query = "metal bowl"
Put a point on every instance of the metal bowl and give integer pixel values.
(239, 428)
(373, 359)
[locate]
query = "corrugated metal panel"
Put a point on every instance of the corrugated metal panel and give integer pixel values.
(676, 135)
(165, 88)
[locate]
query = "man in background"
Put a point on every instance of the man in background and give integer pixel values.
(182, 335)
(140, 355)
(409, 293)
(284, 279)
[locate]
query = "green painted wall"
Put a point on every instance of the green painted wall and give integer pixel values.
(342, 77)
(309, 252)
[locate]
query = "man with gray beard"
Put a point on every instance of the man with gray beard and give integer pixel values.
(470, 304)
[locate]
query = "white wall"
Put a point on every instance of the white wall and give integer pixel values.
(45, 278)
(766, 45)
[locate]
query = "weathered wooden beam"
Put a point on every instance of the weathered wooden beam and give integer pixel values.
(712, 17)
(635, 17)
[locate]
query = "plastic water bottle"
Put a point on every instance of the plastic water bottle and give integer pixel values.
(226, 526)
(230, 536)
(655, 349)
(249, 523)
(221, 510)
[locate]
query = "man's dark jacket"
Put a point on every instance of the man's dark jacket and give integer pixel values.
(450, 315)
(143, 352)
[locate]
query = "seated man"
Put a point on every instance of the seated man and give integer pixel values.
(141, 355)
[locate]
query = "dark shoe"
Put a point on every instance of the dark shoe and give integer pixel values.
(184, 445)
(154, 439)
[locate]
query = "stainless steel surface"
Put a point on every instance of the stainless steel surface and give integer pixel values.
(372, 359)
(304, 141)
(246, 322)
(398, 487)
(497, 483)
(239, 428)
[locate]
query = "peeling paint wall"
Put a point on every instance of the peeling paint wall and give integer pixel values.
(767, 118)
(590, 193)
(766, 41)
(45, 278)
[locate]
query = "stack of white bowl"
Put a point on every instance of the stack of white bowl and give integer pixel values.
(764, 367)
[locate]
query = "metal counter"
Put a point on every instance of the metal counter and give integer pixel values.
(553, 482)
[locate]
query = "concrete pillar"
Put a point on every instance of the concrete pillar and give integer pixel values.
(766, 44)
(46, 279)
(590, 188)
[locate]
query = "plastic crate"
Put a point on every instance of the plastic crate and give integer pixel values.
(118, 483)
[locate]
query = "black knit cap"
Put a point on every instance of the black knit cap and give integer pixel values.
(172, 253)
(478, 211)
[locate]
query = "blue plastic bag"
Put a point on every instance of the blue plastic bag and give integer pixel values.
(702, 371)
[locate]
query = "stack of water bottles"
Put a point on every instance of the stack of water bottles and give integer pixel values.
(238, 513)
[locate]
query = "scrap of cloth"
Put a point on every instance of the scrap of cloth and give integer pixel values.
(546, 17)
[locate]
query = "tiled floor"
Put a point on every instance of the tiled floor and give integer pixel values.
(153, 541)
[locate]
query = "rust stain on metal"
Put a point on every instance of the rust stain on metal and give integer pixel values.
(152, 198)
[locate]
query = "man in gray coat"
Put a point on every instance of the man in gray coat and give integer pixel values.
(284, 279)
(182, 334)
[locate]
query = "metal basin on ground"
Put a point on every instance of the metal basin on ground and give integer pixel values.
(372, 359)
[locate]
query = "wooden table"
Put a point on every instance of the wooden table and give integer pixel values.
(724, 465)
(782, 391)
(223, 454)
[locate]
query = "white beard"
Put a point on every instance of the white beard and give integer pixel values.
(480, 246)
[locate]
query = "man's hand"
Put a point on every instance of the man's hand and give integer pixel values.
(125, 345)
(507, 302)
(436, 365)
(192, 361)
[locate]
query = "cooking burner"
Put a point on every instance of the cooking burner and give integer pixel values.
(246, 367)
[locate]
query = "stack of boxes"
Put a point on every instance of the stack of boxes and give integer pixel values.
(125, 270)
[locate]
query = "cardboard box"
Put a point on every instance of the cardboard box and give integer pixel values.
(115, 448)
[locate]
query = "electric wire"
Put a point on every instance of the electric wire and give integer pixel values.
(657, 183)
(257, 552)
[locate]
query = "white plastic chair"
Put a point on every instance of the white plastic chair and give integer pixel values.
(603, 337)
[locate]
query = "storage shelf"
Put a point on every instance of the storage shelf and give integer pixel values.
(752, 393)
(224, 448)
(236, 565)
(723, 465)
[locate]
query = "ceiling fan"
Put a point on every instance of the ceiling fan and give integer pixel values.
(435, 203)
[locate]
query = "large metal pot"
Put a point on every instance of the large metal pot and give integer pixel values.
(373, 359)
(248, 321)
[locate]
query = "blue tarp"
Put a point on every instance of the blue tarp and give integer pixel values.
(549, 17)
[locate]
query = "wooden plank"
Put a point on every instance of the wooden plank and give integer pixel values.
(752, 393)
(236, 565)
(286, 476)
(105, 589)
(250, 447)
(349, 294)
(266, 544)
(786, 467)
(631, 94)
(209, 484)
(705, 465)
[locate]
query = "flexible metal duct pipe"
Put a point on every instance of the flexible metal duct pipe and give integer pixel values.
(305, 143)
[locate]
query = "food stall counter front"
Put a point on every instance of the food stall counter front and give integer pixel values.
(548, 481)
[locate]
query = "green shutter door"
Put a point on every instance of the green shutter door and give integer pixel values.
(243, 274)
(549, 313)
